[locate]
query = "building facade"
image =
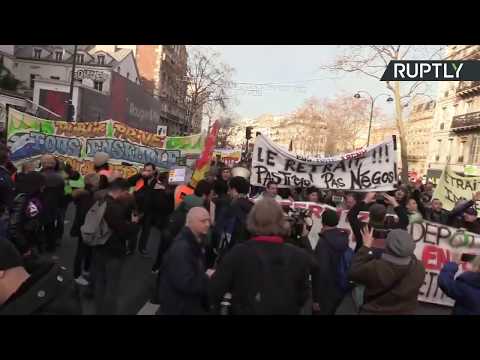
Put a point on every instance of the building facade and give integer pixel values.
(455, 136)
(418, 130)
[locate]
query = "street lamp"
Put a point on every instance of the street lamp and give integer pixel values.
(373, 99)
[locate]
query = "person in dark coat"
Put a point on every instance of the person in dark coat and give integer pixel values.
(377, 218)
(7, 189)
(231, 224)
(46, 289)
(25, 226)
(465, 216)
(83, 200)
(465, 289)
(392, 281)
(183, 280)
(436, 214)
(331, 246)
(109, 259)
(265, 276)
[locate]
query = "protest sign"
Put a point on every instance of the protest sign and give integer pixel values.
(452, 187)
(177, 176)
(434, 245)
(129, 148)
(370, 169)
(228, 156)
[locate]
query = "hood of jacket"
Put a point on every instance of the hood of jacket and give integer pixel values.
(337, 239)
(193, 201)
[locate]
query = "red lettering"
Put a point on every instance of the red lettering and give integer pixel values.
(434, 257)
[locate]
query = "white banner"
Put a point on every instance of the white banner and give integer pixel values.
(434, 245)
(371, 169)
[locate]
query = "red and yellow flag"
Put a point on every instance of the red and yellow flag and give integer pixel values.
(203, 163)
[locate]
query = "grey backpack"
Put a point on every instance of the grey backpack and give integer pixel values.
(95, 230)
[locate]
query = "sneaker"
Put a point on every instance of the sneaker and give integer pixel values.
(82, 281)
(155, 271)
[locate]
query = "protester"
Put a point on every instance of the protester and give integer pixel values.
(109, 258)
(83, 200)
(7, 189)
(265, 276)
(200, 198)
(271, 191)
(469, 219)
(331, 247)
(144, 184)
(312, 195)
(225, 174)
(220, 197)
(392, 281)
(436, 213)
(183, 281)
(53, 199)
(377, 217)
(25, 227)
(350, 200)
(414, 215)
(101, 166)
(47, 290)
(231, 226)
(465, 289)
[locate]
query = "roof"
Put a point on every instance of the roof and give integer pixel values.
(120, 54)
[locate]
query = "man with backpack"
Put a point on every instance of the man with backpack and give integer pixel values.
(108, 226)
(333, 255)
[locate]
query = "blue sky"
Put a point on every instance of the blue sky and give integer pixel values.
(289, 64)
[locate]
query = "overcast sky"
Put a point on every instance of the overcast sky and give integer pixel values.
(291, 64)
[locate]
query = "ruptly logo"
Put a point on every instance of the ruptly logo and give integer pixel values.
(429, 70)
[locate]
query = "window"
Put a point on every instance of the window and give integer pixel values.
(446, 93)
(98, 85)
(37, 53)
(80, 58)
(469, 106)
(442, 125)
(55, 77)
(118, 69)
(101, 59)
(475, 150)
(58, 55)
(32, 80)
(128, 75)
(455, 109)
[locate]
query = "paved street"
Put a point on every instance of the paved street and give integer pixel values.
(138, 281)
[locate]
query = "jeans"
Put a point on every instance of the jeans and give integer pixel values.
(145, 232)
(83, 258)
(107, 274)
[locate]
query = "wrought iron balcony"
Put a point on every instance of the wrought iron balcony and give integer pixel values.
(468, 88)
(466, 122)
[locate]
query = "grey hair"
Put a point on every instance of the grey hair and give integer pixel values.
(193, 213)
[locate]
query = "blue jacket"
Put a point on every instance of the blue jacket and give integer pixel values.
(465, 289)
(182, 280)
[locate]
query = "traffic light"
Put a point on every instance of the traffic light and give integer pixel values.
(248, 134)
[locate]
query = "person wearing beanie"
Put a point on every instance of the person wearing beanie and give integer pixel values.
(465, 216)
(101, 167)
(25, 227)
(392, 282)
(47, 289)
(378, 217)
(465, 288)
(331, 246)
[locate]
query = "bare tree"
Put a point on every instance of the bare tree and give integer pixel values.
(371, 61)
(209, 81)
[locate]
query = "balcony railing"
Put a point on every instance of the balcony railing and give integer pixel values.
(468, 88)
(466, 122)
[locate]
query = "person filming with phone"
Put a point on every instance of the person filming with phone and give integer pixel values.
(465, 289)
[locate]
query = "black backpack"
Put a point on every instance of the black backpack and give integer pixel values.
(271, 293)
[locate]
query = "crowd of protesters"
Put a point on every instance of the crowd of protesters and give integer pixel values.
(224, 248)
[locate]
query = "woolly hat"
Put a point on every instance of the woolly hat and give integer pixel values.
(100, 159)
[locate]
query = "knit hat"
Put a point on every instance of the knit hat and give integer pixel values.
(399, 243)
(100, 159)
(330, 218)
(9, 255)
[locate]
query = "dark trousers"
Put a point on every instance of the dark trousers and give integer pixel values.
(165, 241)
(50, 236)
(83, 258)
(107, 274)
(142, 241)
